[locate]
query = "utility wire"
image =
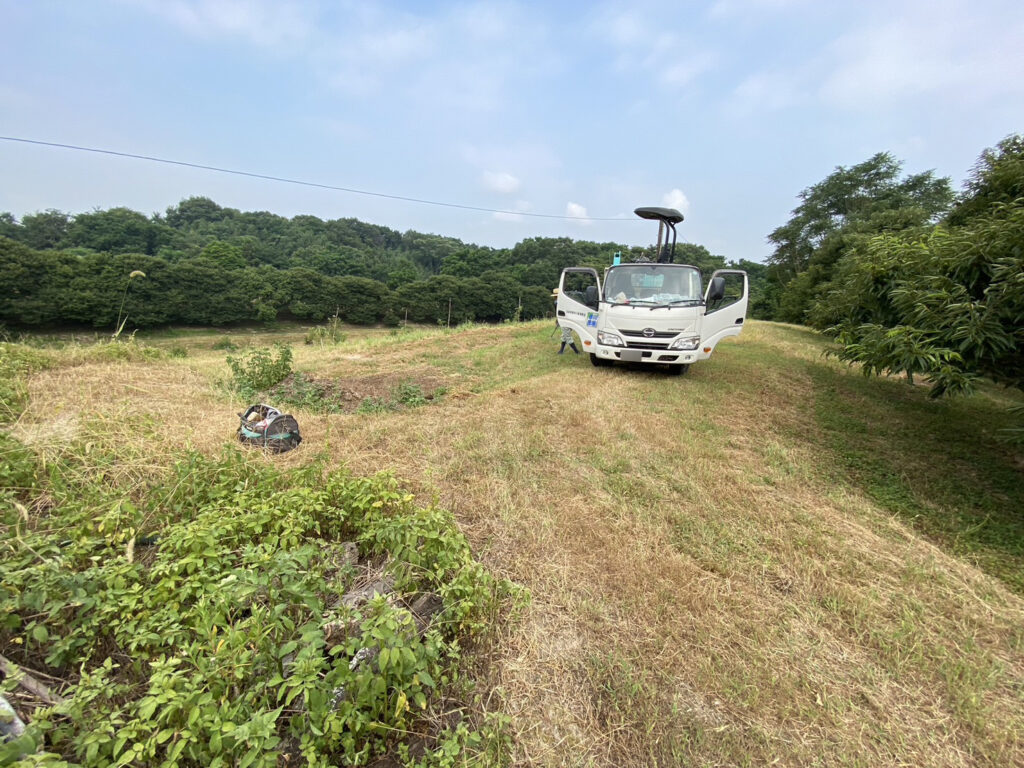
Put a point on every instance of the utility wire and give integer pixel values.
(308, 183)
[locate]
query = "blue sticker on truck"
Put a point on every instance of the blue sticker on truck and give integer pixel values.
(591, 320)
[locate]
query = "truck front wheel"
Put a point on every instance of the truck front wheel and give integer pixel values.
(677, 370)
(598, 362)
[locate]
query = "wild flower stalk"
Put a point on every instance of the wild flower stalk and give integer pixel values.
(119, 326)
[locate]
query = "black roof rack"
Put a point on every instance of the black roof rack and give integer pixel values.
(666, 217)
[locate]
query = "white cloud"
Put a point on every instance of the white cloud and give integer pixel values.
(766, 92)
(623, 29)
(676, 199)
(263, 22)
(639, 42)
(529, 161)
(505, 183)
(466, 57)
(373, 50)
(577, 211)
(963, 52)
(686, 70)
(730, 9)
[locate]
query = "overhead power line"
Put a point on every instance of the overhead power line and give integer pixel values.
(302, 183)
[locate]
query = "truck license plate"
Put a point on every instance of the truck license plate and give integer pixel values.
(631, 355)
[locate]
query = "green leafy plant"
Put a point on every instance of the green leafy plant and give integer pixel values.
(200, 624)
(410, 394)
(332, 333)
(407, 394)
(303, 391)
(375, 405)
(260, 368)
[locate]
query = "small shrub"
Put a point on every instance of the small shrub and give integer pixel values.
(332, 333)
(178, 351)
(225, 344)
(316, 335)
(259, 369)
(410, 394)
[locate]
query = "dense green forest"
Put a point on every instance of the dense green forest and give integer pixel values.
(908, 277)
(203, 264)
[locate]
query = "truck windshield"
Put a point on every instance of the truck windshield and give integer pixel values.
(652, 284)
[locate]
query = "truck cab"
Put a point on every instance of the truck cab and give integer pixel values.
(656, 313)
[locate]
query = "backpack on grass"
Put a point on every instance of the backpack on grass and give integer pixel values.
(266, 427)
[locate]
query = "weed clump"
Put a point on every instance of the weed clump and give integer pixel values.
(407, 394)
(224, 344)
(300, 390)
(19, 472)
(410, 395)
(260, 368)
(375, 405)
(332, 333)
(16, 362)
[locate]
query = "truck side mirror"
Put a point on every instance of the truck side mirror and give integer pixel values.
(716, 291)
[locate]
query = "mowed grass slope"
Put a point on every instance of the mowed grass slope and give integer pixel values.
(769, 559)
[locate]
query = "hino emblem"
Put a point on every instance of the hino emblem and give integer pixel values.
(648, 332)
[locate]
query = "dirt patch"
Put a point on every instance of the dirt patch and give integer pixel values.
(346, 395)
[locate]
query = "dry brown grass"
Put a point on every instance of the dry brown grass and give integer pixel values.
(702, 594)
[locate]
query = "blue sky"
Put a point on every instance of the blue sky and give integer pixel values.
(724, 109)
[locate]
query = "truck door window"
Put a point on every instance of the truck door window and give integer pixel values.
(581, 287)
(733, 291)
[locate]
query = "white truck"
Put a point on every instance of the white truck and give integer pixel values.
(652, 312)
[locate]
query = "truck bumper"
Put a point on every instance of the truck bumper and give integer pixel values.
(653, 356)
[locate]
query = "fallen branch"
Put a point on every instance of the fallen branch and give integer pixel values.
(422, 610)
(29, 683)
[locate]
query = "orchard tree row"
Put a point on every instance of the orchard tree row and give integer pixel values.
(204, 264)
(58, 288)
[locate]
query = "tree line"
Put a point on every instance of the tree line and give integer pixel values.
(204, 264)
(908, 276)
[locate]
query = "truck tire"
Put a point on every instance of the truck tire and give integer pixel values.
(598, 362)
(678, 370)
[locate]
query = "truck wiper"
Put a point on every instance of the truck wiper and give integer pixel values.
(673, 303)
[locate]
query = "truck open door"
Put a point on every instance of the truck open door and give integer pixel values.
(579, 293)
(725, 307)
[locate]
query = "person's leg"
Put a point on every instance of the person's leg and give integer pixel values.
(573, 345)
(562, 348)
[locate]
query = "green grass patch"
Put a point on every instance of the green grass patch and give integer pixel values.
(936, 464)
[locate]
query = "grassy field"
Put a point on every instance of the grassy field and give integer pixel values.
(771, 560)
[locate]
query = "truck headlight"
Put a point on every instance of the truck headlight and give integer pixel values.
(609, 339)
(687, 342)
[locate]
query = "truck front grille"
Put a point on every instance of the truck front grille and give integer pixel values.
(656, 335)
(645, 345)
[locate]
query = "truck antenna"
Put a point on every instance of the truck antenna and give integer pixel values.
(667, 219)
